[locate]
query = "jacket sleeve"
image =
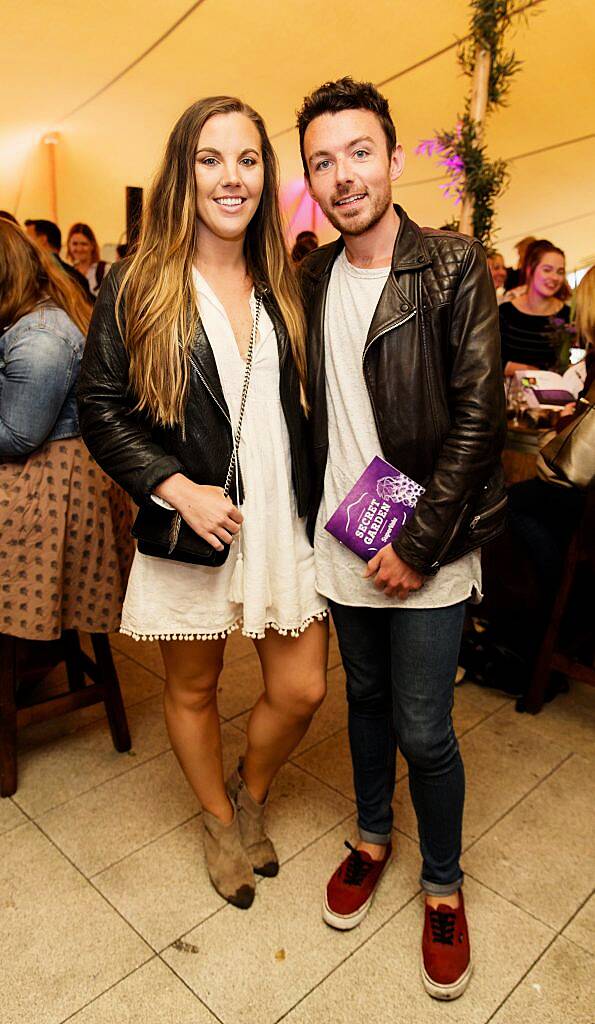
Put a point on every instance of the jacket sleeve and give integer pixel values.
(473, 445)
(38, 374)
(117, 438)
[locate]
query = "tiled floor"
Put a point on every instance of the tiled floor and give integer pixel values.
(107, 914)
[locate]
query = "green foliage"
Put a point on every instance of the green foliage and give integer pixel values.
(462, 152)
(489, 22)
(485, 180)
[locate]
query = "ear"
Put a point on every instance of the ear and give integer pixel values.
(397, 162)
(309, 186)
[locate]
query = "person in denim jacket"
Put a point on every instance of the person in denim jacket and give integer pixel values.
(40, 358)
(65, 548)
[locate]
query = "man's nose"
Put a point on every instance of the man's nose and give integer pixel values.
(343, 173)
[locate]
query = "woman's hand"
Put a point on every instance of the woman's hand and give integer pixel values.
(511, 368)
(205, 508)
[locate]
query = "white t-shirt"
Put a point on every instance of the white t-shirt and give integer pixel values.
(353, 442)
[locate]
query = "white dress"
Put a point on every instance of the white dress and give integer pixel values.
(168, 600)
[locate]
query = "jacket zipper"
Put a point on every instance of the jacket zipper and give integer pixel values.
(489, 512)
(450, 538)
(424, 345)
(385, 330)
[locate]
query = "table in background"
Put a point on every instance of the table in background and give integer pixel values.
(519, 457)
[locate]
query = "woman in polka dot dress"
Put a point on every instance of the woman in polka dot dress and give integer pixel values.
(65, 552)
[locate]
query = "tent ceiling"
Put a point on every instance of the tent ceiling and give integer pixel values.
(57, 56)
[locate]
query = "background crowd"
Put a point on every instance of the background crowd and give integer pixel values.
(47, 290)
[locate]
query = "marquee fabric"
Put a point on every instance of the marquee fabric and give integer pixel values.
(110, 78)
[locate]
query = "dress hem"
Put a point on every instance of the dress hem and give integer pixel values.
(221, 634)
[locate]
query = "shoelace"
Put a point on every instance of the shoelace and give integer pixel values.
(356, 868)
(443, 927)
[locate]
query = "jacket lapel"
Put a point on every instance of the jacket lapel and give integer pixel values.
(206, 367)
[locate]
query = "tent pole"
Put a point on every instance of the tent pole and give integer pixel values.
(51, 141)
(478, 108)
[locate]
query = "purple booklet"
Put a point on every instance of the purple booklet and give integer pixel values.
(375, 510)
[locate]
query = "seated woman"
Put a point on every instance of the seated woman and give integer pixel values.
(66, 549)
(522, 569)
(526, 324)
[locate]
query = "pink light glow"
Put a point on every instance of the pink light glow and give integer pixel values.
(300, 211)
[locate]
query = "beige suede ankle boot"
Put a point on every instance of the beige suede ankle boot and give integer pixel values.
(257, 844)
(228, 863)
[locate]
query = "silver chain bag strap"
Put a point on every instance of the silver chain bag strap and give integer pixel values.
(176, 523)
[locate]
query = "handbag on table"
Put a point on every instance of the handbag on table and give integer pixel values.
(160, 530)
(571, 453)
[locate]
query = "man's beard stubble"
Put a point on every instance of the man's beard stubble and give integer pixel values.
(378, 209)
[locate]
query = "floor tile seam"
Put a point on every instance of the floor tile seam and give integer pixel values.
(283, 864)
(238, 714)
(482, 721)
(577, 945)
(17, 824)
(317, 743)
(190, 989)
(320, 781)
(512, 903)
(90, 882)
(144, 846)
(575, 914)
(352, 953)
(98, 785)
(108, 989)
(513, 806)
(522, 978)
(142, 665)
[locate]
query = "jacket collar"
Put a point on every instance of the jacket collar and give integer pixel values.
(410, 251)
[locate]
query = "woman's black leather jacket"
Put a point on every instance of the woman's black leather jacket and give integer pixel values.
(137, 454)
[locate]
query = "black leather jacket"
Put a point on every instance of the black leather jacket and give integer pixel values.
(432, 367)
(139, 455)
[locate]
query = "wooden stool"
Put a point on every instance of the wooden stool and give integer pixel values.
(18, 708)
(550, 659)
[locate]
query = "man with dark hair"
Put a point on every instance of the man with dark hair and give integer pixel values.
(48, 237)
(404, 363)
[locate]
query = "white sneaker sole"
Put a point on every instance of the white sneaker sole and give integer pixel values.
(446, 992)
(345, 922)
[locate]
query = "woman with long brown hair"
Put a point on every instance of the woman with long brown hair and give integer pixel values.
(60, 516)
(191, 397)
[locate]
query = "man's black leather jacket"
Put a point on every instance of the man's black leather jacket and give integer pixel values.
(432, 367)
(139, 455)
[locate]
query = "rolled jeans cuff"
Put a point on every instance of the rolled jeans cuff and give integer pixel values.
(435, 889)
(374, 837)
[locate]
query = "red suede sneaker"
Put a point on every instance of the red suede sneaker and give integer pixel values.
(446, 955)
(350, 892)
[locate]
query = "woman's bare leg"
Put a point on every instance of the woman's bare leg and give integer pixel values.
(192, 669)
(294, 670)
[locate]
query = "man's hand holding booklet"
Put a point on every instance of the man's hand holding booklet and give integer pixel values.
(369, 519)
